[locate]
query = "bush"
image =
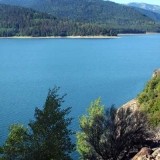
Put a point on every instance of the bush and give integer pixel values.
(111, 135)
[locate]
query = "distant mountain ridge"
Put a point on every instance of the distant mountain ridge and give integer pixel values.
(148, 11)
(150, 7)
(115, 16)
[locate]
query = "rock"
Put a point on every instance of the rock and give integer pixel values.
(146, 154)
(156, 153)
(143, 154)
(156, 73)
(132, 104)
(158, 157)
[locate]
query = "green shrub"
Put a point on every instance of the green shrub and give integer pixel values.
(149, 100)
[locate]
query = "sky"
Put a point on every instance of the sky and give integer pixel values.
(156, 2)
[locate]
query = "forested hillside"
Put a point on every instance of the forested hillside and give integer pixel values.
(18, 21)
(120, 17)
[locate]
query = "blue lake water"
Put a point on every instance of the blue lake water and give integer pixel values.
(115, 69)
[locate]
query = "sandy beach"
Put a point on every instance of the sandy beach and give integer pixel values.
(74, 37)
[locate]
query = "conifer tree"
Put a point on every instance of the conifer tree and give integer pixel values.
(46, 138)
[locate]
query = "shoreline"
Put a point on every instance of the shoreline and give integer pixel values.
(136, 34)
(79, 37)
(59, 37)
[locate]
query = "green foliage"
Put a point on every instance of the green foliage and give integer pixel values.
(149, 100)
(51, 137)
(111, 135)
(119, 17)
(87, 120)
(16, 145)
(48, 136)
(94, 109)
(18, 21)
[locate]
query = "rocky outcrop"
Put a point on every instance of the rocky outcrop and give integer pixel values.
(156, 73)
(143, 152)
(147, 154)
(132, 104)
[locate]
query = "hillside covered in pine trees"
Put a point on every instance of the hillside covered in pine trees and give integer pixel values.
(115, 16)
(19, 21)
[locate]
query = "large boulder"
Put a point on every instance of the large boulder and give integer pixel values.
(144, 152)
(147, 154)
(156, 154)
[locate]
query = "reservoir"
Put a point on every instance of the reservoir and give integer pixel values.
(114, 69)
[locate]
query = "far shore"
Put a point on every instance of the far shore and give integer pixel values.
(134, 34)
(80, 37)
(48, 37)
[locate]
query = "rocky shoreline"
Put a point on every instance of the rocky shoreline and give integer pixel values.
(153, 152)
